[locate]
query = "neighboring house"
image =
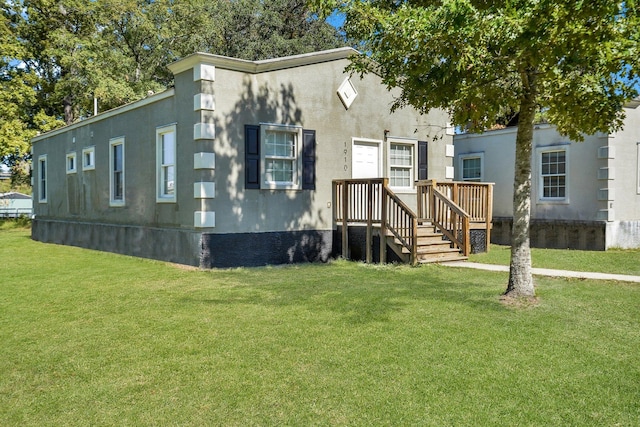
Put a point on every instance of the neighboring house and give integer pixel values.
(234, 165)
(585, 195)
(14, 205)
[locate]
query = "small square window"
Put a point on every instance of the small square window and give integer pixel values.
(88, 158)
(71, 163)
(471, 167)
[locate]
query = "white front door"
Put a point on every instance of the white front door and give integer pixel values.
(366, 159)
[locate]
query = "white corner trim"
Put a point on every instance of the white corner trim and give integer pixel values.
(606, 173)
(204, 219)
(449, 172)
(204, 131)
(203, 101)
(204, 190)
(449, 150)
(204, 160)
(449, 129)
(205, 72)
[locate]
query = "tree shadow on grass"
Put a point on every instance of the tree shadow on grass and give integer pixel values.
(370, 294)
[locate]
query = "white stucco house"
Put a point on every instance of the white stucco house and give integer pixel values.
(585, 195)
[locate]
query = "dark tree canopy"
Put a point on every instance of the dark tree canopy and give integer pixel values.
(58, 55)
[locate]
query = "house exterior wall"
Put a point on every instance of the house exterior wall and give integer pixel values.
(498, 150)
(624, 159)
(602, 204)
(215, 221)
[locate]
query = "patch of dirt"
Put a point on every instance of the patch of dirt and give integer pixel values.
(519, 302)
(183, 267)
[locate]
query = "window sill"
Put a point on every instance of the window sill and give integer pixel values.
(553, 202)
(280, 187)
(403, 190)
(165, 200)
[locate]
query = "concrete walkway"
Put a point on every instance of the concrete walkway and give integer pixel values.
(547, 272)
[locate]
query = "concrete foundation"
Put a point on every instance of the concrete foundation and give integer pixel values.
(189, 247)
(552, 234)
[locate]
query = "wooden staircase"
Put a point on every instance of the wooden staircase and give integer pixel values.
(431, 247)
(438, 232)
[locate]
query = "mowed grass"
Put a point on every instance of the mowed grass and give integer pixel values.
(91, 338)
(616, 261)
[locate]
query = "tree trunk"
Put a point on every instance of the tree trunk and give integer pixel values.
(520, 278)
(67, 104)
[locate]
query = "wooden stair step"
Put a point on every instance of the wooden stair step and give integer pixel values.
(450, 257)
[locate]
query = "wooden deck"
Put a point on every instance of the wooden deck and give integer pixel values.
(446, 212)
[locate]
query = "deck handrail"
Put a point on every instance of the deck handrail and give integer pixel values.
(452, 221)
(402, 222)
(475, 198)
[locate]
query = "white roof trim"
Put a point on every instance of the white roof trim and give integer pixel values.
(110, 113)
(633, 103)
(255, 67)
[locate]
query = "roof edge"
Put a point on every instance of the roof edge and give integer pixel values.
(109, 113)
(255, 67)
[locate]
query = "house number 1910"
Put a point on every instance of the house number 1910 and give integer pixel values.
(346, 167)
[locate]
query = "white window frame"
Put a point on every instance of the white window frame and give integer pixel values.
(413, 168)
(540, 151)
(469, 156)
(296, 159)
(91, 164)
(42, 178)
(112, 200)
(71, 163)
(161, 195)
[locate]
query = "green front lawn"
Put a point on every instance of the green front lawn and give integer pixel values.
(92, 338)
(614, 261)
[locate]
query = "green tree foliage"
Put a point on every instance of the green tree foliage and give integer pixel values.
(575, 60)
(20, 116)
(58, 55)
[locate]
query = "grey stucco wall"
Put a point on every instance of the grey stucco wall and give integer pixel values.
(85, 195)
(303, 96)
(306, 97)
(498, 148)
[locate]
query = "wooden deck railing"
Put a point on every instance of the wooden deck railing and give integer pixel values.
(452, 207)
(451, 220)
(398, 219)
(474, 198)
(369, 201)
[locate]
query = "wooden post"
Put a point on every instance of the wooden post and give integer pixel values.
(489, 214)
(345, 215)
(368, 242)
(419, 195)
(414, 241)
(432, 201)
(465, 232)
(383, 221)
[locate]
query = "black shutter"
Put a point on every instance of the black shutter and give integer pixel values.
(422, 160)
(308, 159)
(252, 157)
